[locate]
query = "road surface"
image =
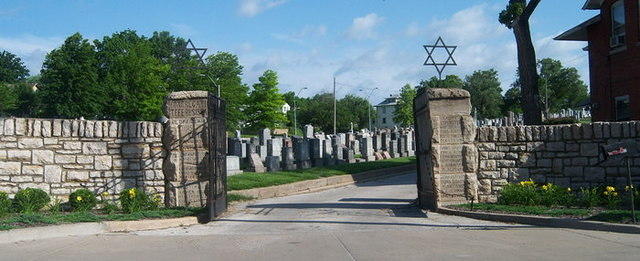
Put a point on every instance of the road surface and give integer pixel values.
(369, 221)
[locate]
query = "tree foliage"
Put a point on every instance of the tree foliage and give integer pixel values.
(265, 103)
(486, 94)
(450, 81)
(132, 76)
(561, 86)
(511, 100)
(225, 70)
(12, 68)
(403, 114)
(69, 84)
(8, 99)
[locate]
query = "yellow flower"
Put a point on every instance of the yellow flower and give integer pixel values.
(615, 194)
(568, 189)
(606, 193)
(611, 189)
(627, 188)
(545, 187)
(105, 194)
(78, 198)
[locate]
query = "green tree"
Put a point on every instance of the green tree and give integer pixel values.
(486, 97)
(132, 76)
(403, 114)
(511, 100)
(8, 99)
(172, 52)
(27, 100)
(450, 81)
(226, 71)
(353, 109)
(69, 84)
(560, 86)
(11, 68)
(265, 103)
(317, 111)
(516, 16)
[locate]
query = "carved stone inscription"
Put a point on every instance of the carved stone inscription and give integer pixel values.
(186, 108)
(450, 130)
(450, 159)
(451, 187)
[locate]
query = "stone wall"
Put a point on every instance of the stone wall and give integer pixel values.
(566, 155)
(60, 156)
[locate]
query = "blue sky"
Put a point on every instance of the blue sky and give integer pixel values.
(364, 43)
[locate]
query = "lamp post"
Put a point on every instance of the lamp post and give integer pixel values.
(212, 81)
(295, 112)
(369, 106)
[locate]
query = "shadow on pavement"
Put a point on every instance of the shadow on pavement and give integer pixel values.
(377, 200)
(479, 227)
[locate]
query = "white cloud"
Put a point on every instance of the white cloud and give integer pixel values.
(31, 49)
(183, 30)
(364, 27)
(307, 31)
(251, 8)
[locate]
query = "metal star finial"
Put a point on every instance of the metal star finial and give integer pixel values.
(440, 66)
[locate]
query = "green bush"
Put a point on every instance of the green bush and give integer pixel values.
(559, 121)
(524, 193)
(83, 200)
(589, 198)
(30, 200)
(135, 200)
(552, 195)
(5, 204)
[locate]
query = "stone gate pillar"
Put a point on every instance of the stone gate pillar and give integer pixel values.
(447, 156)
(186, 166)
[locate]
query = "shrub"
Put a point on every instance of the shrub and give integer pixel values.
(559, 121)
(5, 204)
(31, 200)
(552, 195)
(611, 198)
(523, 193)
(134, 200)
(83, 200)
(589, 197)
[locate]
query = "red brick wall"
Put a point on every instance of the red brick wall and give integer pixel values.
(615, 73)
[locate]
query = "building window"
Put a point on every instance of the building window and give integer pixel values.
(623, 110)
(384, 109)
(617, 24)
(384, 120)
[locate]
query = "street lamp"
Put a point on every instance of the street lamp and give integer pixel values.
(369, 107)
(212, 81)
(295, 112)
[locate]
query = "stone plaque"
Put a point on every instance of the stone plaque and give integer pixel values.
(450, 159)
(450, 130)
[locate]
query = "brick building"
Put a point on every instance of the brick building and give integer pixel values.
(613, 38)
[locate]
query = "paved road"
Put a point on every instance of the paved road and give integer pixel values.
(371, 221)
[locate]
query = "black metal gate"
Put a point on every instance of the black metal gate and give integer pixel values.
(217, 158)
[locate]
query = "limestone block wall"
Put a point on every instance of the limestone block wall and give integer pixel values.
(567, 155)
(60, 156)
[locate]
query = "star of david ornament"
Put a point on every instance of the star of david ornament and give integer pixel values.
(440, 66)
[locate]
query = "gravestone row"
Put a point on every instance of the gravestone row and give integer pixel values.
(268, 153)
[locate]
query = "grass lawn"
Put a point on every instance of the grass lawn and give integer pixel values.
(249, 180)
(16, 220)
(613, 216)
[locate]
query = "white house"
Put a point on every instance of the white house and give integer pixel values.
(384, 112)
(286, 108)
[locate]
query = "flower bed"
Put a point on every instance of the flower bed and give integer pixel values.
(604, 203)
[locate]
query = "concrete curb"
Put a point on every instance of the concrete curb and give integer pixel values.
(316, 185)
(88, 229)
(544, 221)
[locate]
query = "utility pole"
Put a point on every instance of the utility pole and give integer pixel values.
(334, 106)
(295, 112)
(369, 106)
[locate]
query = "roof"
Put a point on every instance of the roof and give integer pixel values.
(393, 100)
(592, 4)
(578, 33)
